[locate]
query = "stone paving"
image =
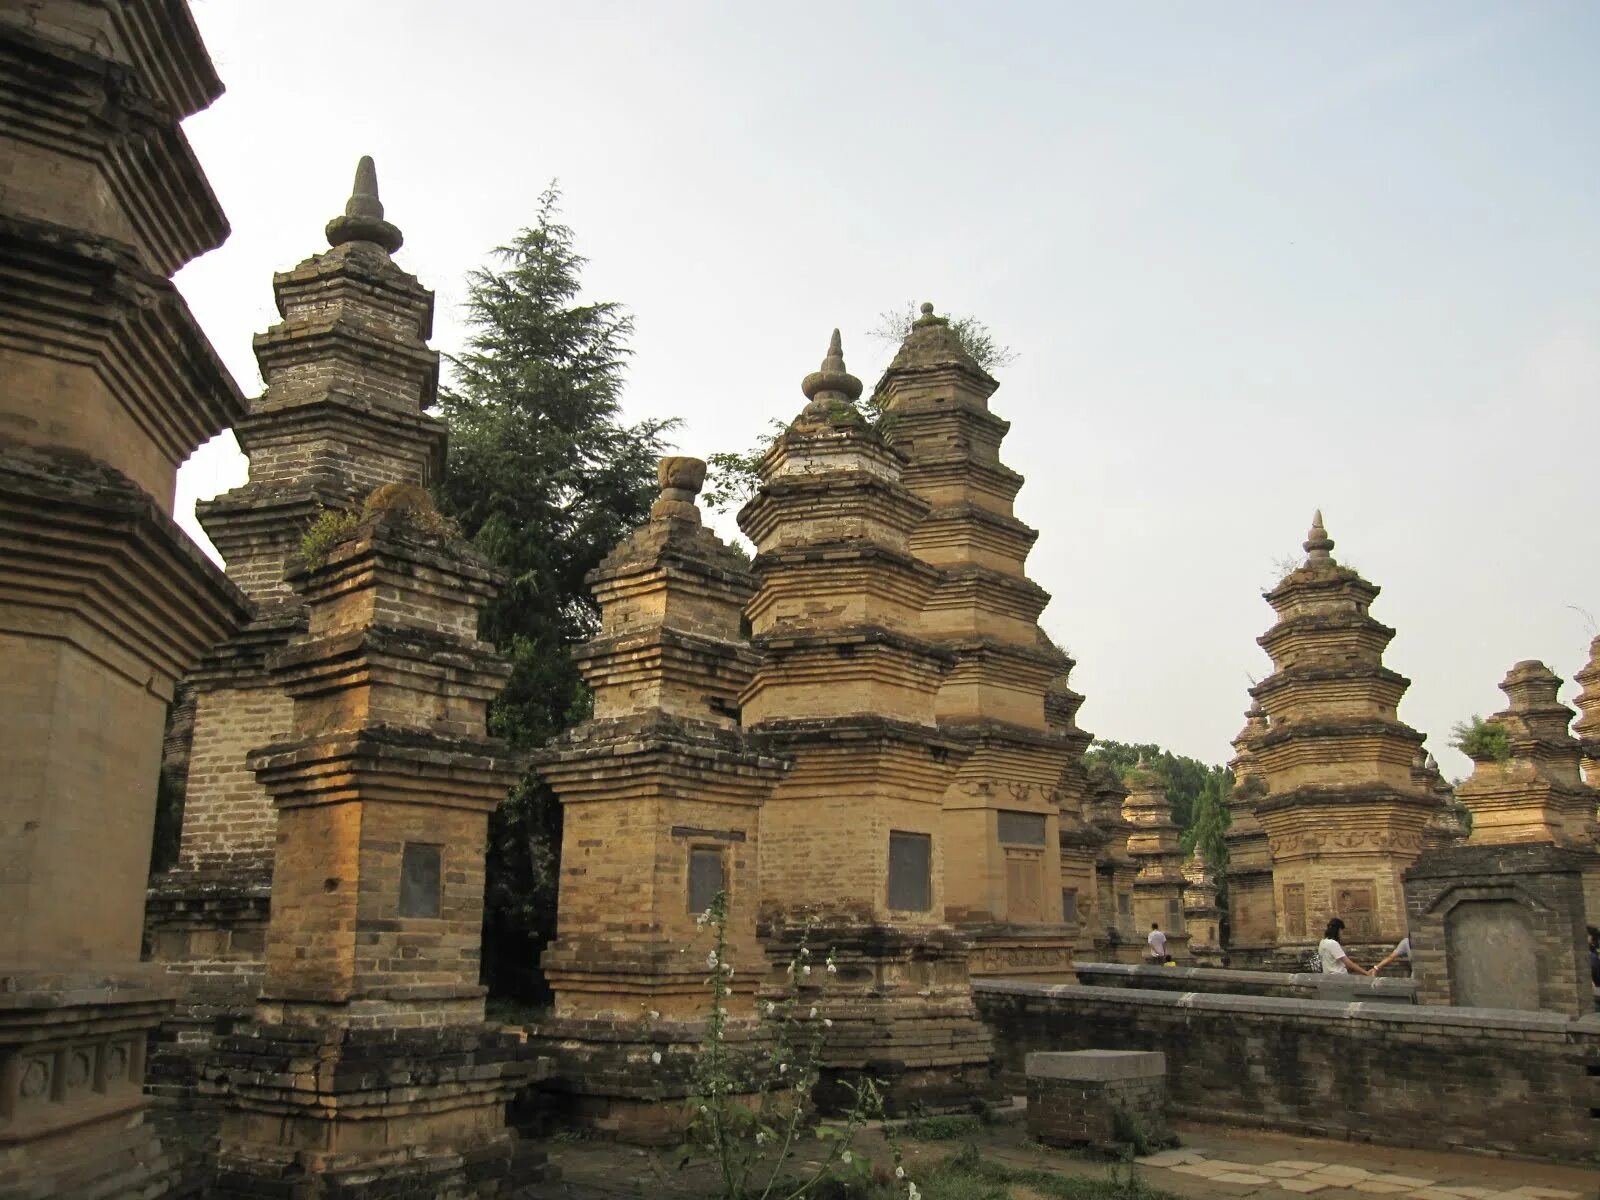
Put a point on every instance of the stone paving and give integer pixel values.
(1214, 1162)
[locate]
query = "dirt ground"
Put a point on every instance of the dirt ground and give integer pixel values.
(1213, 1162)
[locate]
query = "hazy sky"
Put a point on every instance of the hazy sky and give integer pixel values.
(1253, 259)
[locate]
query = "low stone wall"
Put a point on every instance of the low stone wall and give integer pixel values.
(1517, 1083)
(1215, 981)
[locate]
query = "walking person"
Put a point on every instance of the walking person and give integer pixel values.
(1332, 956)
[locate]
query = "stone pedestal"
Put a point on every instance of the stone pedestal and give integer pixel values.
(1500, 927)
(1103, 1099)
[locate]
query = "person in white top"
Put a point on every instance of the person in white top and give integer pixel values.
(1403, 950)
(1331, 954)
(1158, 943)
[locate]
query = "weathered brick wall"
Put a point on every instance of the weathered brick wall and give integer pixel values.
(1074, 1112)
(228, 818)
(1518, 1083)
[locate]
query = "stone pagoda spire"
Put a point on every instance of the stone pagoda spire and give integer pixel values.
(1003, 866)
(1447, 827)
(854, 833)
(383, 787)
(1342, 813)
(1153, 845)
(1587, 726)
(109, 384)
(661, 811)
(1202, 919)
(349, 375)
(1116, 932)
(1252, 915)
(1535, 793)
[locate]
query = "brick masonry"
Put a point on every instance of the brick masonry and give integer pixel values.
(1516, 1083)
(1114, 1099)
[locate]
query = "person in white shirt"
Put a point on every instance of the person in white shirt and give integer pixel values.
(1331, 954)
(1403, 950)
(1158, 943)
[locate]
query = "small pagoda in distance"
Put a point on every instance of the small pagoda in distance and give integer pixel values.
(1343, 814)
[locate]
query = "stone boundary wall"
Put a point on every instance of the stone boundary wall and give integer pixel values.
(1497, 1080)
(1216, 981)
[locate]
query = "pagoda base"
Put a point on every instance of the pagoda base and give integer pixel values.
(900, 999)
(72, 1057)
(604, 1076)
(370, 1113)
(1035, 953)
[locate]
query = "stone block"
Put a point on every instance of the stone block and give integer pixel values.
(1099, 1098)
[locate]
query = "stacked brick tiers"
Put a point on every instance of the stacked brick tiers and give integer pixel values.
(1116, 931)
(1536, 794)
(1447, 827)
(369, 1062)
(1002, 807)
(348, 375)
(1202, 919)
(1252, 912)
(104, 603)
(661, 804)
(1587, 726)
(1153, 845)
(849, 687)
(1084, 844)
(1342, 813)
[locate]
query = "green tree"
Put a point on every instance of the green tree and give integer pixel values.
(1185, 778)
(545, 477)
(1209, 820)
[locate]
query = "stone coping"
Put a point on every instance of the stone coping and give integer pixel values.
(1443, 1017)
(1093, 1066)
(1396, 989)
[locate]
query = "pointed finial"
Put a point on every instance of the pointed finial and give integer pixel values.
(680, 480)
(1318, 544)
(831, 382)
(363, 213)
(927, 318)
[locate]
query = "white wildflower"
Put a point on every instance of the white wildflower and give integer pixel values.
(845, 1158)
(911, 1191)
(899, 1172)
(783, 1068)
(827, 1022)
(654, 1015)
(761, 1136)
(806, 970)
(655, 1057)
(832, 970)
(771, 1008)
(813, 1013)
(711, 961)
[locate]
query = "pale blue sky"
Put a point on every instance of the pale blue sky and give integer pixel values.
(1253, 258)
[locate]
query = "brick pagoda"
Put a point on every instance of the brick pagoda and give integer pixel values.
(1252, 915)
(1587, 727)
(1536, 794)
(104, 602)
(1202, 919)
(661, 804)
(348, 375)
(1116, 933)
(854, 835)
(1153, 846)
(1342, 813)
(1002, 807)
(1083, 843)
(369, 1065)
